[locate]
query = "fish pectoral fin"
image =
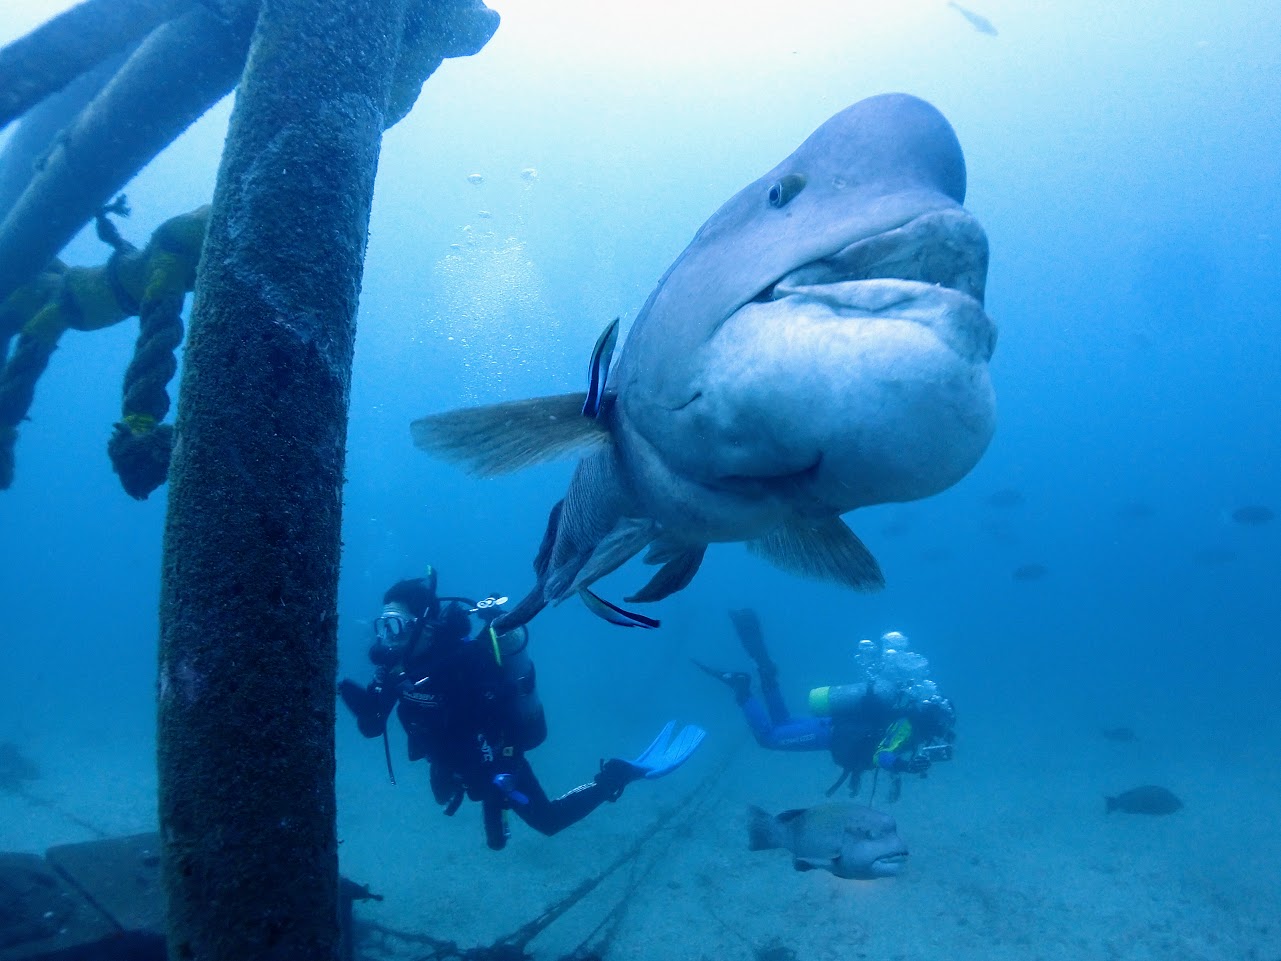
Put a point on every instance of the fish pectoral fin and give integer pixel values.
(810, 864)
(662, 551)
(503, 438)
(823, 549)
(673, 576)
(625, 541)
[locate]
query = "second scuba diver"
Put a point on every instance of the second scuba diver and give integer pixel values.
(469, 704)
(891, 718)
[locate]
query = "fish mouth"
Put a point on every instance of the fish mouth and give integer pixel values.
(945, 248)
(858, 377)
(889, 864)
(886, 866)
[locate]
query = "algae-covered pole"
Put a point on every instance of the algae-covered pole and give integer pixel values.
(46, 60)
(181, 70)
(32, 137)
(248, 646)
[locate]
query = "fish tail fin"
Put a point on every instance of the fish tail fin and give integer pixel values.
(1109, 804)
(503, 438)
(762, 830)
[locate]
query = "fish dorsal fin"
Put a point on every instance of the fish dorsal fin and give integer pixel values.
(823, 549)
(503, 438)
(673, 576)
(598, 370)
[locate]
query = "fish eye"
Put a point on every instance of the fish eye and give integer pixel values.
(782, 192)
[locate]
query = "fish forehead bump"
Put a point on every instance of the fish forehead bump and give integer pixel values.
(871, 820)
(892, 140)
(852, 814)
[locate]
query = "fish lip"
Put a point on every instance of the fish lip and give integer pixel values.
(943, 247)
(889, 864)
(886, 866)
(898, 857)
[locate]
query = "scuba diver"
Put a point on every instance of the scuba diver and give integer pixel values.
(890, 718)
(469, 704)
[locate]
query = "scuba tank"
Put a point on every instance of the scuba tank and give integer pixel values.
(511, 653)
(837, 700)
(518, 671)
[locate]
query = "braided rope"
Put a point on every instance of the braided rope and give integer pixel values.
(36, 344)
(140, 444)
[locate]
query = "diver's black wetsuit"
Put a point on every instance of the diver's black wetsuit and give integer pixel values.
(459, 712)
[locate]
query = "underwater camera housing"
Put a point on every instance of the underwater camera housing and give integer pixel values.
(941, 751)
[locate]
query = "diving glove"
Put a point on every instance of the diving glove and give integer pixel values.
(367, 704)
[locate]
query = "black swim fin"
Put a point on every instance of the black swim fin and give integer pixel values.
(748, 628)
(737, 681)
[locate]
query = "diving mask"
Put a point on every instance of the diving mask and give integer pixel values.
(391, 627)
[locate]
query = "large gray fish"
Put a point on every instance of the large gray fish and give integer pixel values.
(850, 840)
(820, 346)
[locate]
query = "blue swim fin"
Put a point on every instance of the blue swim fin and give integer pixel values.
(669, 752)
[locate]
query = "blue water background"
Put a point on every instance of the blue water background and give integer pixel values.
(1125, 160)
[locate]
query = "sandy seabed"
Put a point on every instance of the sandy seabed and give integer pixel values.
(1012, 854)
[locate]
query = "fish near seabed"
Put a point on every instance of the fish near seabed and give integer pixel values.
(1148, 799)
(851, 840)
(820, 346)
